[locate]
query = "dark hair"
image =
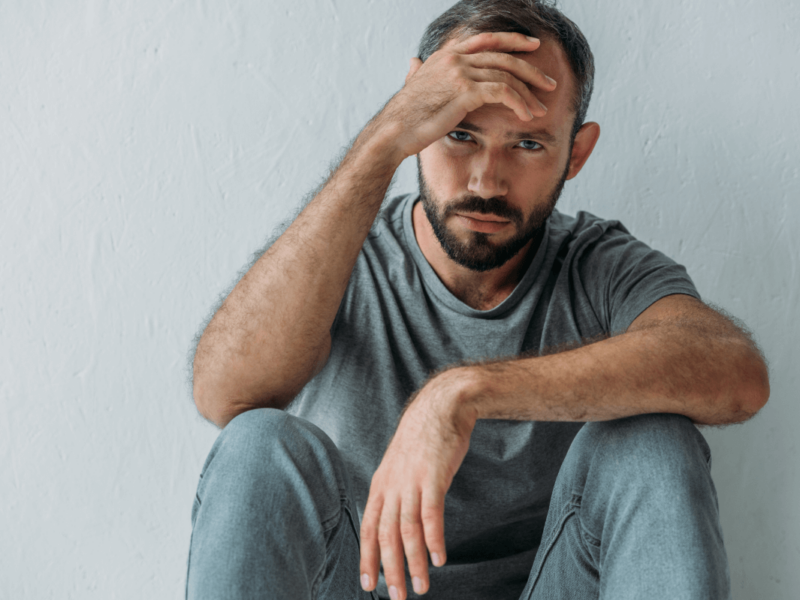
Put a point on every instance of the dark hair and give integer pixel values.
(531, 17)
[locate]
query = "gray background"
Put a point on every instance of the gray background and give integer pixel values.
(148, 147)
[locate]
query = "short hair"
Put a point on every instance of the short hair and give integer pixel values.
(530, 17)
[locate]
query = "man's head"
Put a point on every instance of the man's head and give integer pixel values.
(536, 18)
(494, 165)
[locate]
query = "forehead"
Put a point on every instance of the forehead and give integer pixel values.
(551, 60)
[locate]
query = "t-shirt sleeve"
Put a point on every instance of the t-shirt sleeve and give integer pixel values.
(623, 276)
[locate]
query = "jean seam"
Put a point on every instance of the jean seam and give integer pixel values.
(327, 526)
(189, 554)
(346, 508)
(569, 513)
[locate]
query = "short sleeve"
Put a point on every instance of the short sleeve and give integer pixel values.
(623, 276)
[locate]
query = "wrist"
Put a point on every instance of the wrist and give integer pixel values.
(465, 388)
(380, 139)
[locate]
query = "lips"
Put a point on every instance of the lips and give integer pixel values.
(481, 222)
(483, 217)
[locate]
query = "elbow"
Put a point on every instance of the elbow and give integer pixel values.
(759, 392)
(207, 408)
(211, 406)
(220, 406)
(753, 388)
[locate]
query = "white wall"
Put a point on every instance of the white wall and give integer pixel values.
(148, 147)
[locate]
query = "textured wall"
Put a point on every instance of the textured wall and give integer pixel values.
(147, 148)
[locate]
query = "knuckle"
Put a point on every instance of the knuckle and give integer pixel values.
(462, 78)
(506, 58)
(505, 77)
(465, 86)
(409, 529)
(450, 60)
(506, 90)
(496, 88)
(430, 516)
(385, 538)
(410, 517)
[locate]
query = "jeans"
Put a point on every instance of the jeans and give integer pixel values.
(633, 514)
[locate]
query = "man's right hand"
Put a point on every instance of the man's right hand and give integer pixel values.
(459, 78)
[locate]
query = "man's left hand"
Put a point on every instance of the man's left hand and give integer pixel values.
(404, 515)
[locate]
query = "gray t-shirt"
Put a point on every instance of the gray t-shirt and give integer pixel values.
(398, 323)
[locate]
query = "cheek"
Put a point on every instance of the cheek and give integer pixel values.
(444, 172)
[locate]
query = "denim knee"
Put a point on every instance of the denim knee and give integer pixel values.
(272, 503)
(636, 446)
(264, 449)
(645, 462)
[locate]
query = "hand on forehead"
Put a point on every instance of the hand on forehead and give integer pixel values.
(551, 60)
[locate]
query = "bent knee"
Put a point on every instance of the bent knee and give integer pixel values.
(261, 440)
(663, 436)
(665, 446)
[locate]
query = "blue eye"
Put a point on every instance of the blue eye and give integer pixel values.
(460, 136)
(535, 145)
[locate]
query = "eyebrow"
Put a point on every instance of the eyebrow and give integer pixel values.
(540, 134)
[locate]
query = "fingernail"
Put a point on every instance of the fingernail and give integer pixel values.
(550, 80)
(417, 582)
(392, 592)
(543, 107)
(532, 39)
(437, 562)
(365, 581)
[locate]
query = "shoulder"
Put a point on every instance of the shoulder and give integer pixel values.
(584, 227)
(586, 236)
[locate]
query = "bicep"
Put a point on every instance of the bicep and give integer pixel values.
(686, 311)
(671, 308)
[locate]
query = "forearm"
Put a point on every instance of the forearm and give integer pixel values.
(273, 330)
(711, 379)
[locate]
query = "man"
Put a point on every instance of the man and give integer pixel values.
(441, 359)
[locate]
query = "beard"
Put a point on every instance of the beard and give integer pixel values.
(477, 252)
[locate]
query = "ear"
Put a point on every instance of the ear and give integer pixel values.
(585, 140)
(414, 66)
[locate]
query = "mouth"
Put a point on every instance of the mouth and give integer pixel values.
(483, 223)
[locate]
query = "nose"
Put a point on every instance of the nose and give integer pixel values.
(486, 179)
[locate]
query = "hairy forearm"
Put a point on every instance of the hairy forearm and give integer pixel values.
(271, 332)
(711, 378)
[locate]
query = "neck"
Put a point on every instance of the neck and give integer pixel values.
(479, 290)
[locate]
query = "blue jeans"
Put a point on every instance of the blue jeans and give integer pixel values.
(633, 515)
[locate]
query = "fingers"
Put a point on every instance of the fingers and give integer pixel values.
(522, 70)
(391, 545)
(432, 516)
(370, 551)
(414, 543)
(498, 41)
(531, 103)
(491, 63)
(393, 532)
(381, 541)
(502, 93)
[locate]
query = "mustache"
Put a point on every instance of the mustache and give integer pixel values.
(487, 206)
